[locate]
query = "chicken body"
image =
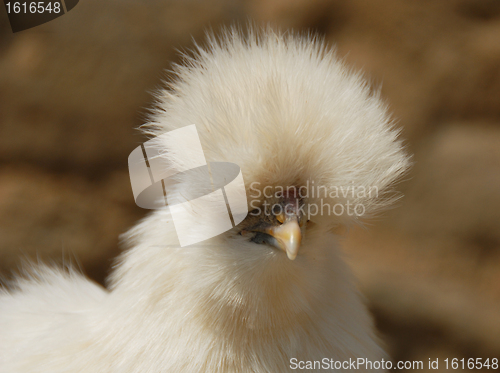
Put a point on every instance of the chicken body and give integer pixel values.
(288, 113)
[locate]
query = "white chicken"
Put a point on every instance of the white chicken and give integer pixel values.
(294, 118)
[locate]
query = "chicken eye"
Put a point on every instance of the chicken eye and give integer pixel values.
(255, 212)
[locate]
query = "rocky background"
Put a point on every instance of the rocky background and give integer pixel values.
(73, 90)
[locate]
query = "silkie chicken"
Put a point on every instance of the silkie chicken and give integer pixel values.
(271, 294)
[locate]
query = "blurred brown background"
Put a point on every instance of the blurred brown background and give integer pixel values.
(73, 90)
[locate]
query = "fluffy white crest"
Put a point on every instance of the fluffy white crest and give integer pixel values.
(289, 113)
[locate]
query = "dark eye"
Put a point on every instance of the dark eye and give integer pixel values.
(254, 212)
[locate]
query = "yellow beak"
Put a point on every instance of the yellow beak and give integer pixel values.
(288, 236)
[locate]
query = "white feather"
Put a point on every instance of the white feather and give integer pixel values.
(286, 111)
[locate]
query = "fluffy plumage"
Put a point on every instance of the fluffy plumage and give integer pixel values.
(287, 111)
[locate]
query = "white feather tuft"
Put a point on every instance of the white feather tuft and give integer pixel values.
(289, 113)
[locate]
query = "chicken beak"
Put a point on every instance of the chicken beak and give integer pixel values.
(288, 236)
